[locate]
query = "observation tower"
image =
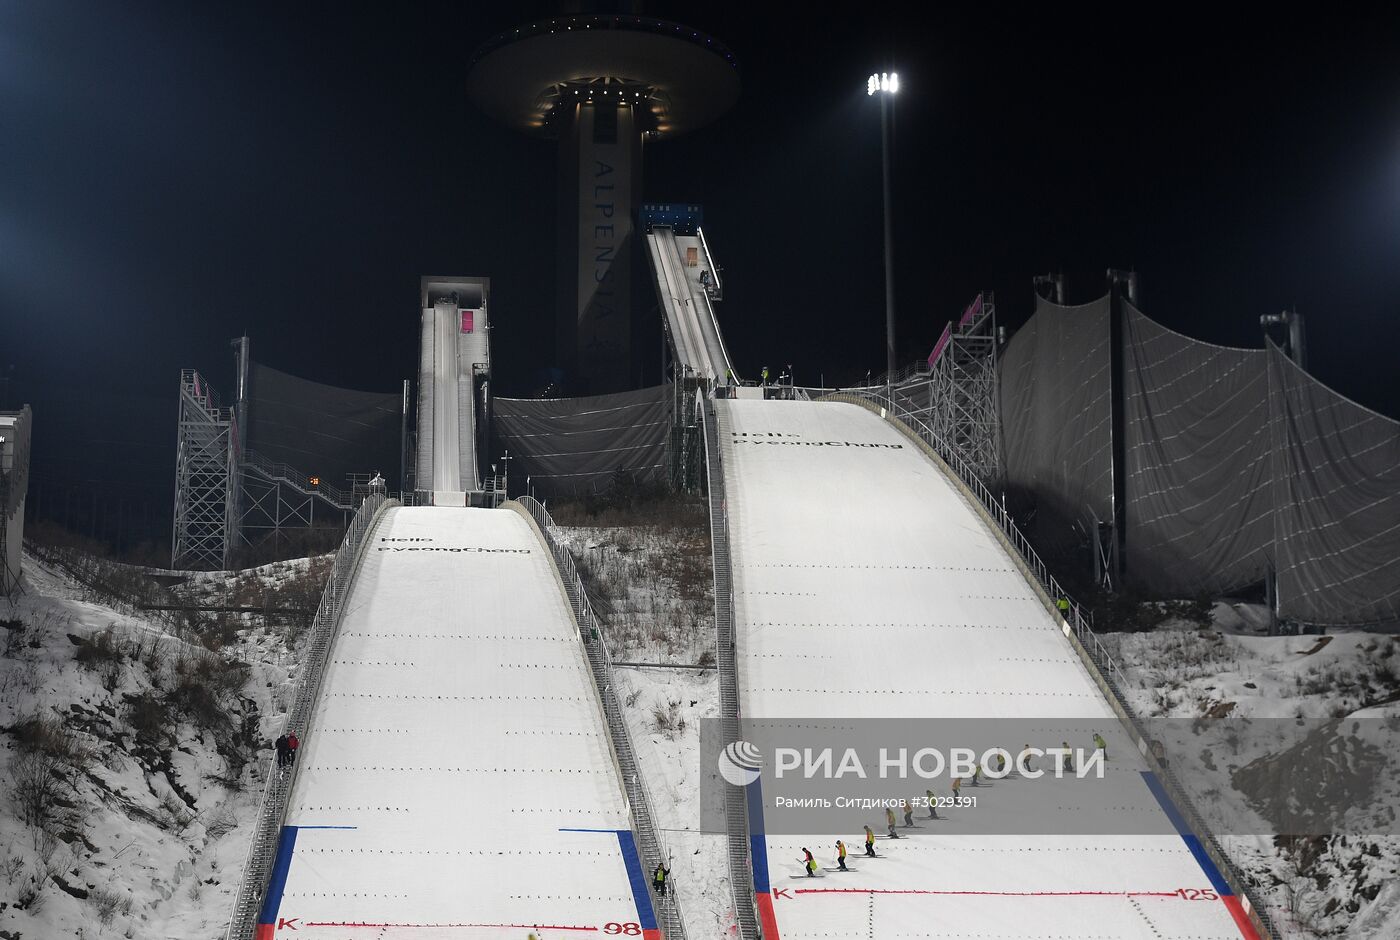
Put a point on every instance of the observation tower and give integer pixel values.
(602, 86)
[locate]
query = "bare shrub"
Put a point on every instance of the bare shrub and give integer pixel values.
(222, 823)
(148, 718)
(108, 904)
(100, 649)
(16, 635)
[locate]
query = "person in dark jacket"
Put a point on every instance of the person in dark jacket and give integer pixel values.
(283, 751)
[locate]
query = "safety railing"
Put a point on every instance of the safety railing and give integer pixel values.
(310, 485)
(667, 907)
(1108, 673)
(736, 811)
(262, 848)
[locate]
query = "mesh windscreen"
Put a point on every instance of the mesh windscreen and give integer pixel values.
(575, 446)
(1056, 421)
(322, 430)
(1338, 502)
(1196, 431)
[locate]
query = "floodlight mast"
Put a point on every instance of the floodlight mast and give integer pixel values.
(886, 84)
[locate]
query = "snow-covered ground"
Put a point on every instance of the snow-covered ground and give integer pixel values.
(133, 763)
(653, 586)
(1291, 734)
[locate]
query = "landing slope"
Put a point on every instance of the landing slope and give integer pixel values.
(865, 588)
(456, 780)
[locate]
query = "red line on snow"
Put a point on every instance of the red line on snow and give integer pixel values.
(996, 894)
(1242, 921)
(496, 926)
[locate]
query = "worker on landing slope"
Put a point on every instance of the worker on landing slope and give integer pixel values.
(841, 855)
(869, 842)
(908, 812)
(1101, 744)
(809, 863)
(1062, 605)
(932, 804)
(890, 821)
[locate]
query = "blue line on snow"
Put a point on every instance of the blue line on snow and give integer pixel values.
(1217, 881)
(758, 842)
(286, 842)
(645, 915)
(328, 827)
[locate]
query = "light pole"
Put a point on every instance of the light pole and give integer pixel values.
(886, 85)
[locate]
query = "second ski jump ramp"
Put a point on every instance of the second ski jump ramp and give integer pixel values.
(456, 778)
(867, 587)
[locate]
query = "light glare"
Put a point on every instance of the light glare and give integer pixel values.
(882, 81)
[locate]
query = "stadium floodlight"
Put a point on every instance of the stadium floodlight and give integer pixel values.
(886, 82)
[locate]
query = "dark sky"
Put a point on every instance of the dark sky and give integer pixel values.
(172, 175)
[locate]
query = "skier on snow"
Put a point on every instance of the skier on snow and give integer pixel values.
(809, 863)
(932, 802)
(1101, 744)
(841, 855)
(889, 821)
(869, 842)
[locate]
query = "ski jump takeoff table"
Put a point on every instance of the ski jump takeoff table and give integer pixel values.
(867, 587)
(456, 780)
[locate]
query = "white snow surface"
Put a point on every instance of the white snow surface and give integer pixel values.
(458, 732)
(867, 587)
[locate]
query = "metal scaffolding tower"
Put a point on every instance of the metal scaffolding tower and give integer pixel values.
(963, 383)
(205, 478)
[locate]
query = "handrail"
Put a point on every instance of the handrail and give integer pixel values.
(600, 663)
(736, 811)
(272, 813)
(294, 477)
(1109, 675)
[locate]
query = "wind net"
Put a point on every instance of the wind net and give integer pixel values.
(1337, 502)
(322, 430)
(1056, 422)
(1197, 461)
(577, 446)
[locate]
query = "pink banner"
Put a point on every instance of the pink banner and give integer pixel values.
(971, 312)
(938, 346)
(467, 320)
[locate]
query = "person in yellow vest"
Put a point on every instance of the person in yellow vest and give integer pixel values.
(908, 808)
(841, 855)
(658, 879)
(932, 804)
(869, 842)
(809, 862)
(957, 787)
(1101, 744)
(889, 821)
(1062, 605)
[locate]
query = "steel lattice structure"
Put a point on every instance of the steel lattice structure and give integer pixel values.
(963, 388)
(205, 478)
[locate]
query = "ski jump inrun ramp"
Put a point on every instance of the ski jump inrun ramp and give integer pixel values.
(867, 586)
(456, 778)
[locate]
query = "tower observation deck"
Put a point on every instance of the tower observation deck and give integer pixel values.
(602, 86)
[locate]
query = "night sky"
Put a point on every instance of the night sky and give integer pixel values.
(173, 175)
